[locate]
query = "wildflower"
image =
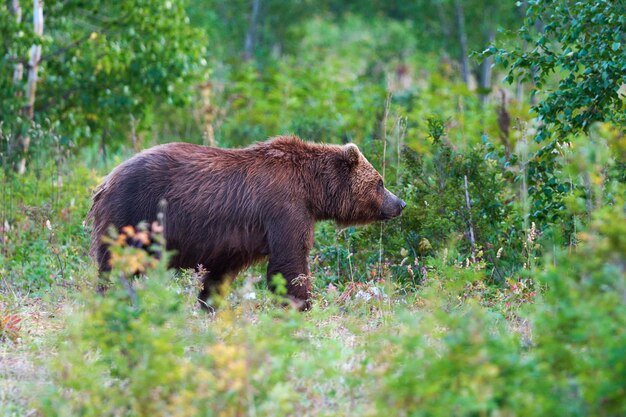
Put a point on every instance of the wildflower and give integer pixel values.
(128, 231)
(157, 227)
(143, 237)
(532, 234)
(363, 295)
(376, 292)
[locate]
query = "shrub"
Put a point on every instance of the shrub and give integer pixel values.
(136, 352)
(459, 359)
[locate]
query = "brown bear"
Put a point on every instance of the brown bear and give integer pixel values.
(226, 209)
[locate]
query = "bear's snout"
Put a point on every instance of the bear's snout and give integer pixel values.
(392, 206)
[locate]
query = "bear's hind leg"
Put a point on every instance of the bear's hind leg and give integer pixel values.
(213, 290)
(103, 257)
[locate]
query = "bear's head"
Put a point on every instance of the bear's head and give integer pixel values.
(360, 195)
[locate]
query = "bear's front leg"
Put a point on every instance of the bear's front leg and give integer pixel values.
(297, 277)
(289, 253)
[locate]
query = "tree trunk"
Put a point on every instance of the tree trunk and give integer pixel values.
(504, 123)
(18, 72)
(16, 10)
(485, 72)
(251, 34)
(35, 57)
(31, 88)
(208, 114)
(460, 21)
(468, 203)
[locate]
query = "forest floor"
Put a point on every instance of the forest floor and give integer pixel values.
(25, 371)
(22, 362)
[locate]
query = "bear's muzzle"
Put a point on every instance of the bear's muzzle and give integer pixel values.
(392, 206)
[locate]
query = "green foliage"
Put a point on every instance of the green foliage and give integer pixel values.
(582, 42)
(471, 367)
(465, 361)
(438, 207)
(43, 240)
(279, 285)
(105, 65)
(324, 94)
(437, 215)
(581, 321)
(128, 355)
(124, 358)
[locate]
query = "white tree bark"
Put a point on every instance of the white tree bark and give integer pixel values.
(18, 72)
(468, 203)
(18, 75)
(35, 57)
(31, 87)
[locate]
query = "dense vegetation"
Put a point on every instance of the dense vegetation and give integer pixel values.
(500, 291)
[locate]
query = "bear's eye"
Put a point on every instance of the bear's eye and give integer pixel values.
(380, 184)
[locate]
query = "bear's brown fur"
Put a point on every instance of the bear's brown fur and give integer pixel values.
(225, 209)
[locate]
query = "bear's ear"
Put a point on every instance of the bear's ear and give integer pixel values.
(351, 154)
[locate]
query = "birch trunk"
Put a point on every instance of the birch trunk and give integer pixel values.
(31, 87)
(35, 57)
(18, 74)
(18, 71)
(468, 203)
